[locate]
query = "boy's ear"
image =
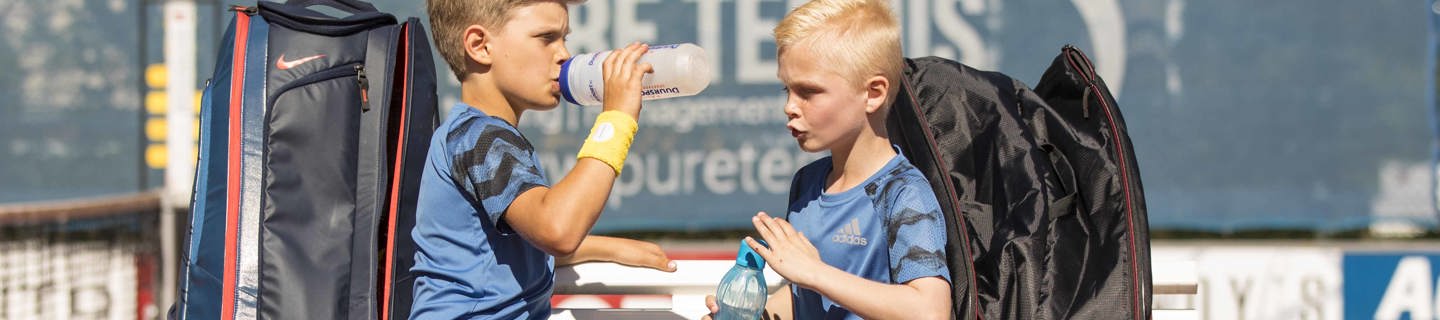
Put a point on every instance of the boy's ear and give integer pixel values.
(877, 88)
(476, 40)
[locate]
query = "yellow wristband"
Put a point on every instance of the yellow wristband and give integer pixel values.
(609, 139)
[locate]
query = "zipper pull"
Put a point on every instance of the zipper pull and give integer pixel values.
(364, 87)
(1085, 104)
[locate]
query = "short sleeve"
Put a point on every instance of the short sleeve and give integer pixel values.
(493, 164)
(917, 235)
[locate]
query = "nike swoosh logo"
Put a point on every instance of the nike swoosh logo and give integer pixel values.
(286, 65)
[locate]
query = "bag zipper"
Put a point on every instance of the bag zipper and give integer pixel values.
(364, 86)
(330, 74)
(929, 137)
(1079, 62)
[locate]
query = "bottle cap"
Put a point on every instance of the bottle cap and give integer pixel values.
(747, 256)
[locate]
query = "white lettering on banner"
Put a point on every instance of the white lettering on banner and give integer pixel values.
(750, 32)
(954, 27)
(775, 169)
(627, 29)
(587, 29)
(917, 28)
(707, 25)
(718, 171)
(668, 182)
(1409, 291)
(1106, 25)
(719, 167)
(747, 164)
(1260, 283)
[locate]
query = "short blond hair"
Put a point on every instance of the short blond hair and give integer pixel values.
(861, 38)
(448, 18)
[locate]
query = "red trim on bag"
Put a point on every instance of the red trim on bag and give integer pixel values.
(386, 289)
(232, 176)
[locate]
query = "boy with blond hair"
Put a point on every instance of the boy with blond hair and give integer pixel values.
(865, 237)
(489, 228)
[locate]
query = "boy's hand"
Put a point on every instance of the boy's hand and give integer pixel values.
(711, 305)
(638, 253)
(777, 306)
(623, 73)
(790, 254)
(628, 252)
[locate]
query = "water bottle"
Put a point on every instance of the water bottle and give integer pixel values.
(679, 70)
(742, 293)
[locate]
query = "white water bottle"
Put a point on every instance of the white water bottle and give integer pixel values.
(679, 70)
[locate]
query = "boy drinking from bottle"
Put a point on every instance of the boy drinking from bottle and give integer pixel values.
(489, 228)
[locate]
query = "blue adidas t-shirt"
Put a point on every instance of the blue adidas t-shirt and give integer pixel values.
(887, 229)
(469, 263)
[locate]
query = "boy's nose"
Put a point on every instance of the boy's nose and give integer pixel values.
(563, 55)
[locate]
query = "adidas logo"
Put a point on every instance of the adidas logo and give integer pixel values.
(850, 234)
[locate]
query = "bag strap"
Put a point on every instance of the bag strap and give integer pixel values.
(297, 15)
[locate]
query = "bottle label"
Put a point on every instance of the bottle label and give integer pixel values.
(660, 91)
(594, 94)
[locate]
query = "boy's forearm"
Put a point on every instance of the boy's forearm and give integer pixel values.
(575, 202)
(592, 248)
(599, 248)
(876, 300)
(628, 252)
(558, 219)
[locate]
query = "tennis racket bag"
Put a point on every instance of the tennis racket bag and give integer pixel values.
(313, 134)
(1040, 189)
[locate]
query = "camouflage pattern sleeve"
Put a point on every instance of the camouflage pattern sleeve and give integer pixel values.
(916, 231)
(495, 166)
